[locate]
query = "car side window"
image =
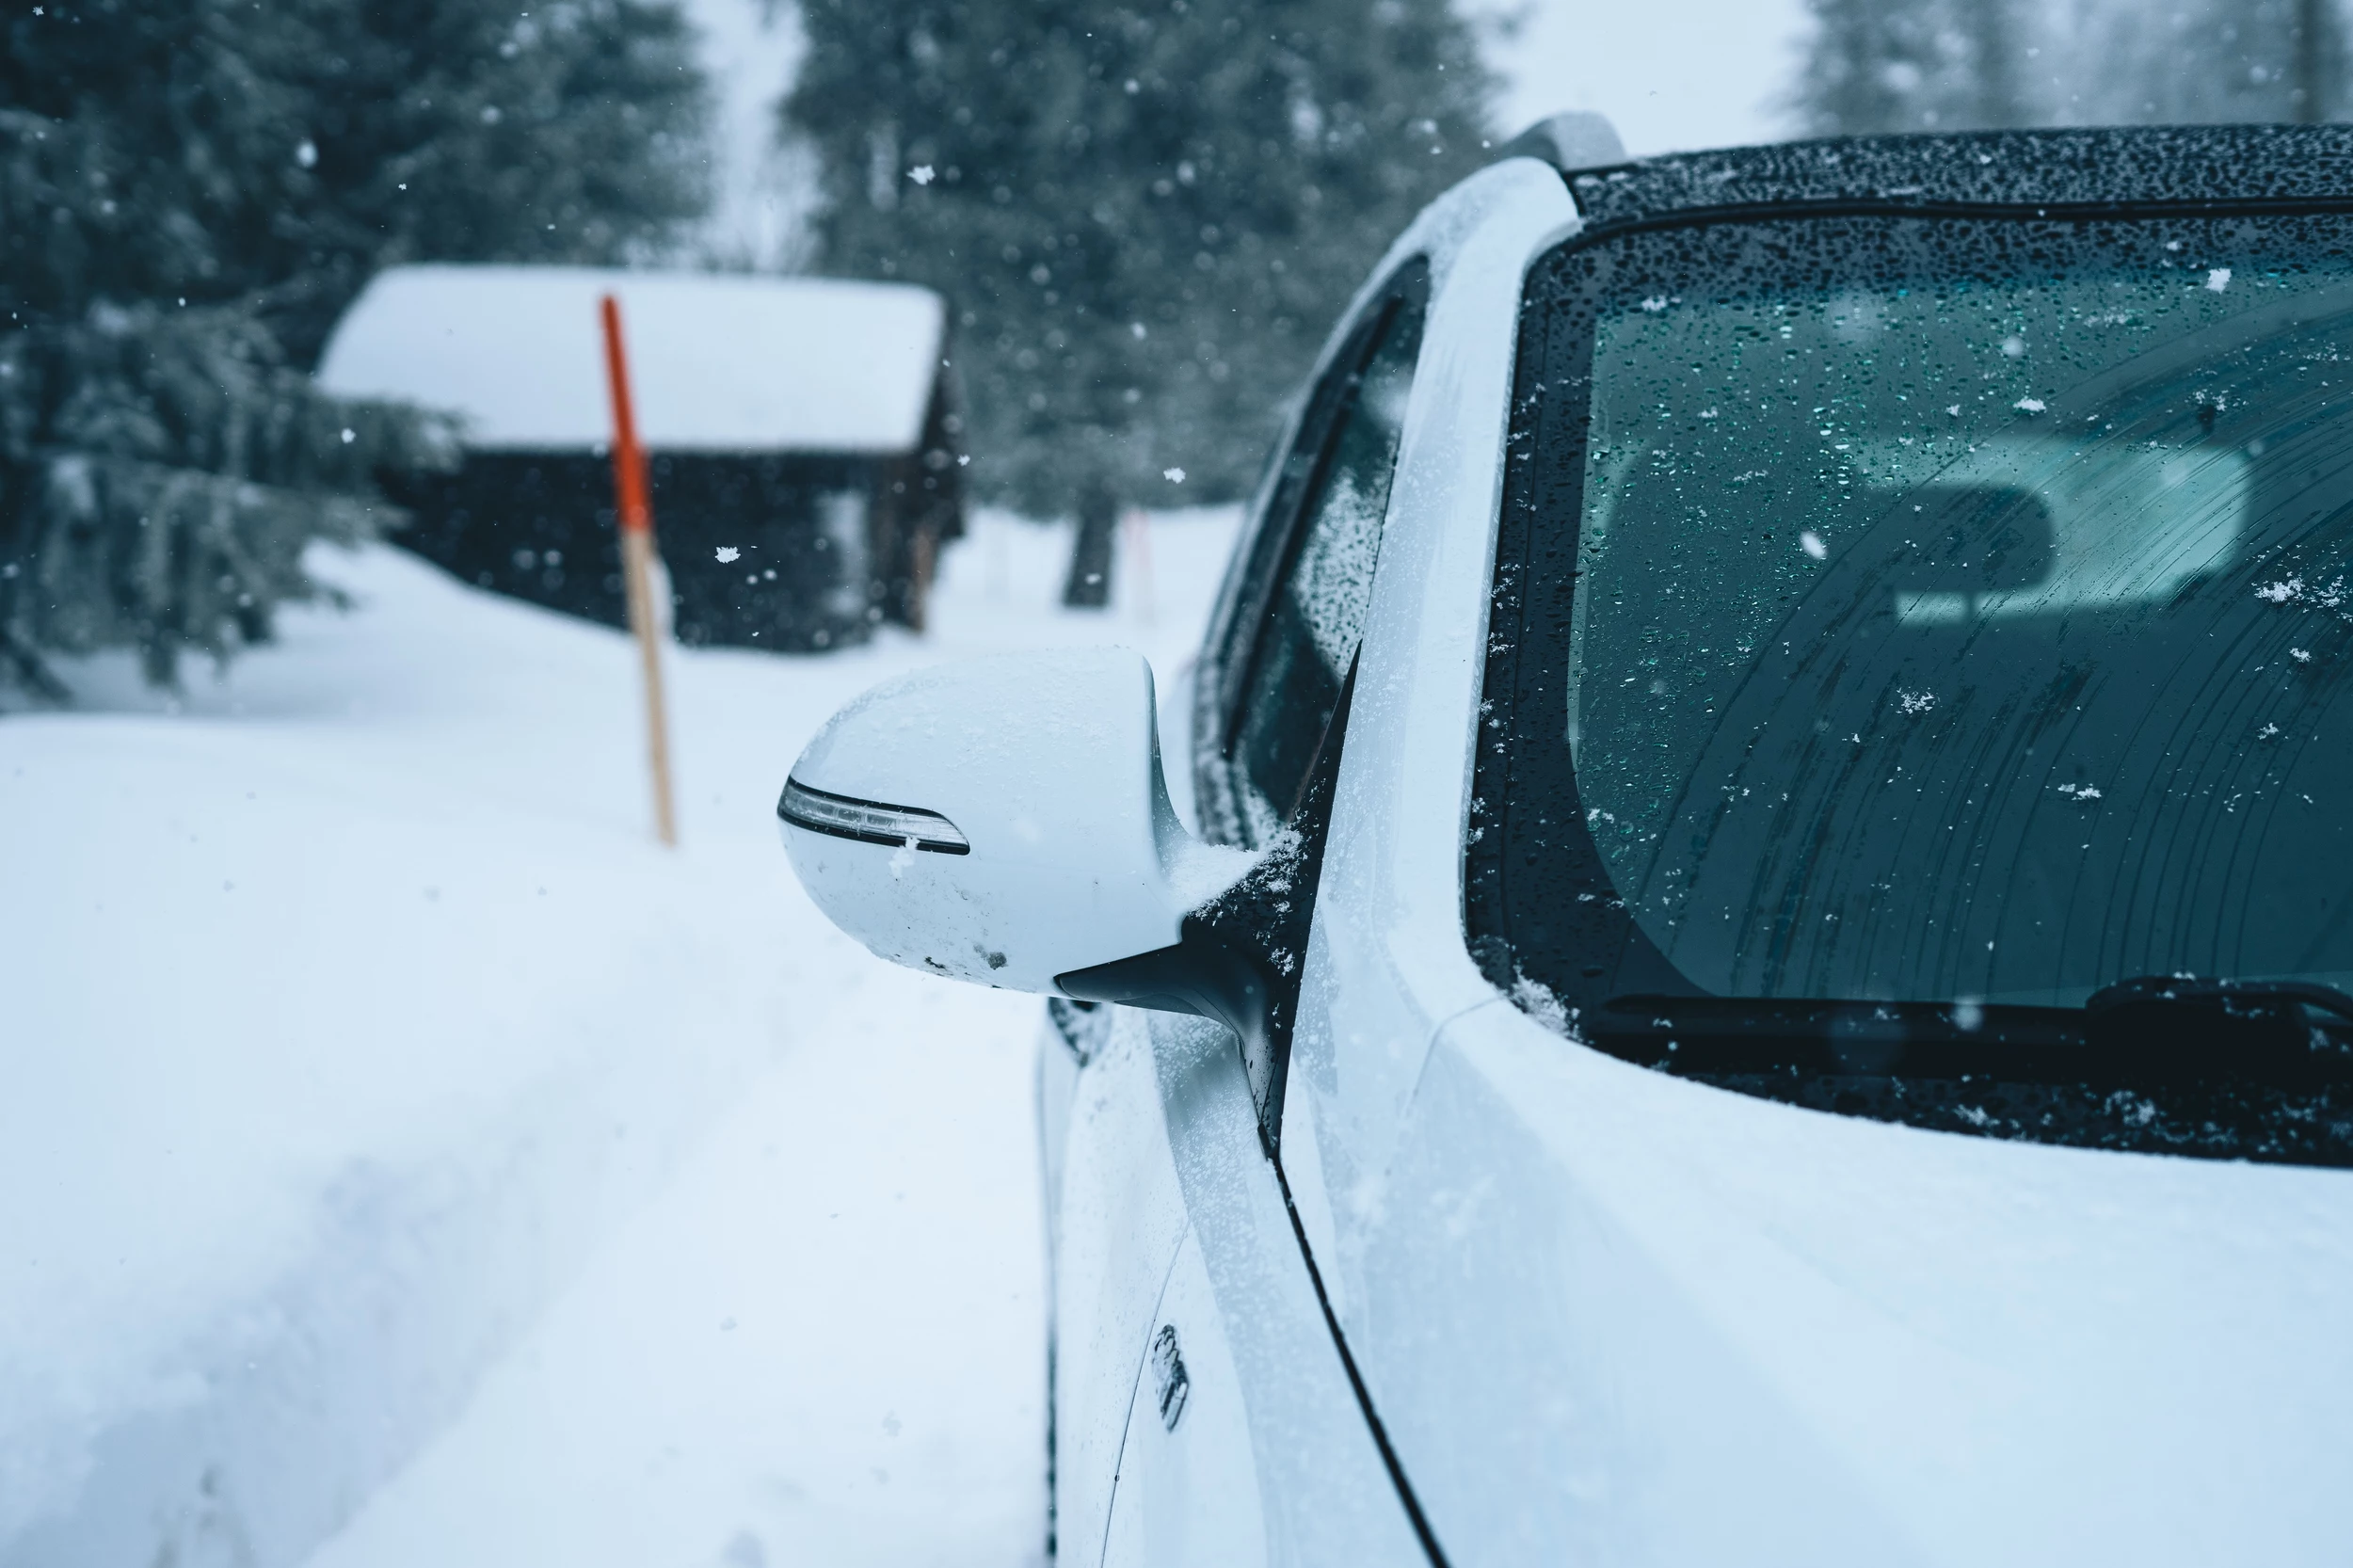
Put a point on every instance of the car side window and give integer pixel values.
(1314, 617)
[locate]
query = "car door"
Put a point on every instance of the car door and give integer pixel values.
(1388, 964)
(1240, 1418)
(1283, 648)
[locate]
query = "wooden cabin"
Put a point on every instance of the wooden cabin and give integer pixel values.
(802, 433)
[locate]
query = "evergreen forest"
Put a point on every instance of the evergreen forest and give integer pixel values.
(1952, 65)
(192, 191)
(1145, 217)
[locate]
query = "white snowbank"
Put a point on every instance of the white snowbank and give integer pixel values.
(718, 362)
(352, 1012)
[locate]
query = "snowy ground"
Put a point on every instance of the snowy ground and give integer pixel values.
(397, 1137)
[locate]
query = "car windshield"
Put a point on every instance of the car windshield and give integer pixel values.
(1963, 608)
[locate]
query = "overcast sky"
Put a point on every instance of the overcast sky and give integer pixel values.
(1672, 74)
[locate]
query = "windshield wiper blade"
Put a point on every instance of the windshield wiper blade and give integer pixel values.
(2152, 1029)
(2253, 1070)
(1842, 1035)
(2187, 1026)
(2243, 996)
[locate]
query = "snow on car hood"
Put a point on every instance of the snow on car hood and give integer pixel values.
(1610, 1315)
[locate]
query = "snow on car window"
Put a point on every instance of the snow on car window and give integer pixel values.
(1962, 608)
(1333, 582)
(1317, 617)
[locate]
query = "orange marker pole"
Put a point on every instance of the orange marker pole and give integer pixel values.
(637, 519)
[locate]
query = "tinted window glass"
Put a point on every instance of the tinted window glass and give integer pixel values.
(1937, 609)
(1317, 614)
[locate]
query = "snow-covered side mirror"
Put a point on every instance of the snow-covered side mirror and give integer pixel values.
(1004, 820)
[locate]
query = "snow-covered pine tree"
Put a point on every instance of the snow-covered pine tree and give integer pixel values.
(2204, 61)
(1918, 65)
(1913, 64)
(190, 190)
(1144, 217)
(571, 131)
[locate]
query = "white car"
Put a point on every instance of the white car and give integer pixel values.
(1803, 1023)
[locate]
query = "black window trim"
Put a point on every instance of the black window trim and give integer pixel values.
(1268, 551)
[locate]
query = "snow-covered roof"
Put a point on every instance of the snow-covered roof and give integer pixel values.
(718, 362)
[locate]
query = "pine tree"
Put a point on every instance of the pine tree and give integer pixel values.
(190, 191)
(1144, 218)
(1913, 64)
(1876, 66)
(2206, 61)
(2317, 47)
(482, 131)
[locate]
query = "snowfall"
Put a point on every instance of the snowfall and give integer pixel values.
(406, 1161)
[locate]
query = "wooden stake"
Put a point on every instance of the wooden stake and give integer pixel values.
(637, 565)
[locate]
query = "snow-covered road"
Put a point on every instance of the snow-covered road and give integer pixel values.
(819, 1343)
(400, 1148)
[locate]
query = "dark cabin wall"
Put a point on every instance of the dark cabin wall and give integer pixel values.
(917, 507)
(539, 526)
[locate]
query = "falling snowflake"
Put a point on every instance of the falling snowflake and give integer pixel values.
(2301, 655)
(727, 554)
(2218, 279)
(920, 174)
(1174, 475)
(2030, 404)
(1655, 303)
(2269, 732)
(1812, 544)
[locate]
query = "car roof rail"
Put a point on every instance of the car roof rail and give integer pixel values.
(1578, 139)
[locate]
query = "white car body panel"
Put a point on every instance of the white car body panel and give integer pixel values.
(1116, 1216)
(1188, 1494)
(1711, 1328)
(1171, 1215)
(1325, 1492)
(1387, 962)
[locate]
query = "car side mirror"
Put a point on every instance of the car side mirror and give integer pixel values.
(1004, 820)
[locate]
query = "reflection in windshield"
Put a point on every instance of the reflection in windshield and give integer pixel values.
(1944, 638)
(2085, 527)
